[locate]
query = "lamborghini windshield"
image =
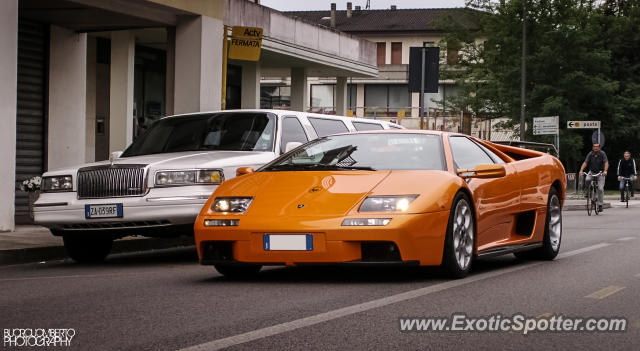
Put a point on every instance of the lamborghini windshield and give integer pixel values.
(369, 151)
(220, 131)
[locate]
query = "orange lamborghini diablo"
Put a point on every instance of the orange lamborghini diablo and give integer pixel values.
(386, 197)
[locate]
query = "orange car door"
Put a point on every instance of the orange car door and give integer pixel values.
(496, 200)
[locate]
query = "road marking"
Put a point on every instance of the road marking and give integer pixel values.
(366, 306)
(638, 275)
(545, 315)
(604, 292)
(626, 238)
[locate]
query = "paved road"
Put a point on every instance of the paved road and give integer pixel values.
(165, 301)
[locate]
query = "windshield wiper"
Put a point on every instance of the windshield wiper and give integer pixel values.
(316, 167)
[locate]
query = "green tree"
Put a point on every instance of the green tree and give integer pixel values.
(569, 70)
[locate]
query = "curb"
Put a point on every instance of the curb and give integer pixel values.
(50, 253)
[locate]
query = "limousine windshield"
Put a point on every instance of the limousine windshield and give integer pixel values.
(244, 131)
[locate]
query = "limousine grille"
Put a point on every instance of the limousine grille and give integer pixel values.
(111, 181)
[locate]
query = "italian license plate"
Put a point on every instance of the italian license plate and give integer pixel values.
(103, 211)
(273, 242)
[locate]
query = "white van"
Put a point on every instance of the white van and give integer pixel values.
(158, 185)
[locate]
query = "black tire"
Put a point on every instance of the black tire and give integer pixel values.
(549, 249)
(589, 201)
(238, 270)
(450, 263)
(87, 248)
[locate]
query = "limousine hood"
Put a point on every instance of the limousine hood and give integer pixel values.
(226, 160)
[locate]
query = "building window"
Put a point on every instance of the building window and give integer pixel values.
(352, 96)
(275, 97)
(323, 97)
(396, 53)
(382, 53)
(385, 100)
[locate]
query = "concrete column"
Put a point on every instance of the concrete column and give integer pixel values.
(198, 64)
(121, 90)
(251, 74)
(8, 100)
(171, 70)
(67, 98)
(415, 104)
(90, 137)
(299, 97)
(341, 96)
(360, 100)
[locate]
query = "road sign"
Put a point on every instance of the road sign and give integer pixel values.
(246, 43)
(545, 125)
(583, 124)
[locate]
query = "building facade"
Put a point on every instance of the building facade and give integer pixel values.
(394, 31)
(83, 78)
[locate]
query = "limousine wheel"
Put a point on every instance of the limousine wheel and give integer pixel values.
(552, 232)
(86, 247)
(237, 270)
(460, 239)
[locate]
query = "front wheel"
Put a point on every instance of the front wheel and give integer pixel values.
(87, 248)
(589, 200)
(460, 238)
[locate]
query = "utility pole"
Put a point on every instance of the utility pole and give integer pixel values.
(523, 70)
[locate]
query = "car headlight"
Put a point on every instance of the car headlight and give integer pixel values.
(189, 177)
(398, 203)
(57, 183)
(231, 204)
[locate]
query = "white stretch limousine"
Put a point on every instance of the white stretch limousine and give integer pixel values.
(158, 185)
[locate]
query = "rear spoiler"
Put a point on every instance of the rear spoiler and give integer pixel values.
(542, 147)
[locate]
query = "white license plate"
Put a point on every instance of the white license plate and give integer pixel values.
(103, 211)
(273, 242)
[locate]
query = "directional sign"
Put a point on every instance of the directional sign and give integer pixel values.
(583, 124)
(545, 125)
(246, 43)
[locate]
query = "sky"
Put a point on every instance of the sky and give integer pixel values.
(299, 5)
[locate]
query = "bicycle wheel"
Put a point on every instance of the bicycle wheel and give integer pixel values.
(627, 194)
(594, 200)
(589, 201)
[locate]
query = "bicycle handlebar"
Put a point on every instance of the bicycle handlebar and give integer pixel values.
(596, 174)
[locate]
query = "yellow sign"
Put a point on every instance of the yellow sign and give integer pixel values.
(401, 113)
(349, 113)
(246, 43)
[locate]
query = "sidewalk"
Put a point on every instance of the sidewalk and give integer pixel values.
(32, 243)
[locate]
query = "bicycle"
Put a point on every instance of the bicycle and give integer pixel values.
(592, 193)
(627, 190)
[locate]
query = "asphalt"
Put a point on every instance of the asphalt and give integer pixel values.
(164, 300)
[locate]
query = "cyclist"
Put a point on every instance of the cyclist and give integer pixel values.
(596, 161)
(626, 169)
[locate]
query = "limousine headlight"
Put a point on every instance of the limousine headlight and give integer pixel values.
(189, 177)
(57, 183)
(231, 204)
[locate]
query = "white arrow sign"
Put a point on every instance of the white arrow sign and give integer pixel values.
(583, 124)
(545, 125)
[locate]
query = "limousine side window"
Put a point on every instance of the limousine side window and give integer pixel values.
(360, 126)
(324, 126)
(292, 131)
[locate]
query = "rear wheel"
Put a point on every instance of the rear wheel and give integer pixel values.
(460, 238)
(238, 270)
(552, 232)
(87, 248)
